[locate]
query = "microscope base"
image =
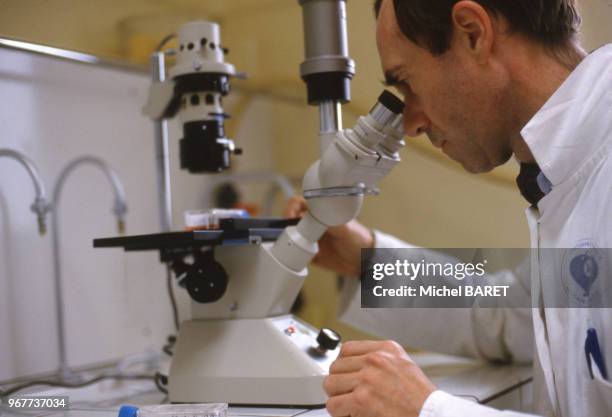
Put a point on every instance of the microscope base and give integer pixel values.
(270, 361)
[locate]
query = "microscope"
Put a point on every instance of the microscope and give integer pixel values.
(241, 345)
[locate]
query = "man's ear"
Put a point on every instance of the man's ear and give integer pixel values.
(473, 29)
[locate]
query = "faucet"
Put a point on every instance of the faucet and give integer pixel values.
(40, 206)
(119, 210)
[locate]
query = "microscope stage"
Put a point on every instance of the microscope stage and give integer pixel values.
(234, 231)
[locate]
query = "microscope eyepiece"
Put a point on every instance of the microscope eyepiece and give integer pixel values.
(388, 109)
(391, 102)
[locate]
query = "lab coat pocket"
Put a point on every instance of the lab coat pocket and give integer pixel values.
(604, 391)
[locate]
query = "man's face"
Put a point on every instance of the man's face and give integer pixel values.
(459, 102)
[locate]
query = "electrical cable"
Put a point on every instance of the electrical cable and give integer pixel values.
(171, 339)
(62, 384)
(175, 314)
(164, 41)
(161, 381)
(167, 348)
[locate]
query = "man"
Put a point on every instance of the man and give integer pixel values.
(485, 80)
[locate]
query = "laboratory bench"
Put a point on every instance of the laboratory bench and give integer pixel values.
(499, 386)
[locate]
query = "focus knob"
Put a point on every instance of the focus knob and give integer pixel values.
(328, 339)
(206, 285)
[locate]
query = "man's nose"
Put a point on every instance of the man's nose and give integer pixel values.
(416, 121)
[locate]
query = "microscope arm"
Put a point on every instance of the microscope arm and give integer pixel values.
(351, 166)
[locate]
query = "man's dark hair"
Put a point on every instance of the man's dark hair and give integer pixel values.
(428, 23)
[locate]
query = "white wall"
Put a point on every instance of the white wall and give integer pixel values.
(115, 303)
(54, 111)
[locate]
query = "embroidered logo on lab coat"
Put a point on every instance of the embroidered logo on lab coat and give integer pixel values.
(582, 268)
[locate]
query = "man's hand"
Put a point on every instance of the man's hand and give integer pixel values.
(340, 247)
(375, 379)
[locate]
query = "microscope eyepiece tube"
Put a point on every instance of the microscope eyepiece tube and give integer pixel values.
(391, 101)
(327, 68)
(388, 111)
(387, 108)
(382, 126)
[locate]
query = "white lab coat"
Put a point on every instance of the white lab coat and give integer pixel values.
(571, 139)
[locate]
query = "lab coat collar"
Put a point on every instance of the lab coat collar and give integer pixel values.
(574, 121)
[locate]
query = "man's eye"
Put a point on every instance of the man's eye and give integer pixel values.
(403, 87)
(404, 84)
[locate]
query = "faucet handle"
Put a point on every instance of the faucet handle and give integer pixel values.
(119, 210)
(41, 207)
(121, 226)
